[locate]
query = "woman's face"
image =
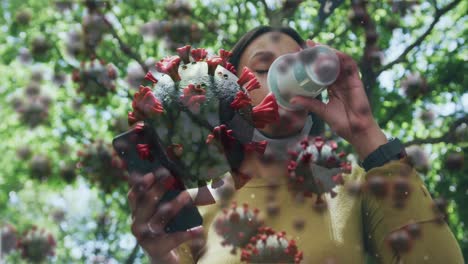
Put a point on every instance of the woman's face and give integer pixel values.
(258, 57)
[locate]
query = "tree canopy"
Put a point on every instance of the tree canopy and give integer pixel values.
(69, 70)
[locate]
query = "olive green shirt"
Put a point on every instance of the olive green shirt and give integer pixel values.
(352, 229)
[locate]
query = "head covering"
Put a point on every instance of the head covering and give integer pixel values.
(250, 36)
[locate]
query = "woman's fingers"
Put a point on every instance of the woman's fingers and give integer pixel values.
(146, 193)
(167, 211)
(163, 244)
(150, 219)
(139, 190)
(312, 105)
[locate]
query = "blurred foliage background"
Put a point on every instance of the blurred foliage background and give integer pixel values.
(69, 70)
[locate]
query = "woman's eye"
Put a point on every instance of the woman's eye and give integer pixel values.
(261, 71)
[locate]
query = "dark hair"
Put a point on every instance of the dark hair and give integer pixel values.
(247, 38)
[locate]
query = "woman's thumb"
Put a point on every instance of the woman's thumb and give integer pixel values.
(311, 104)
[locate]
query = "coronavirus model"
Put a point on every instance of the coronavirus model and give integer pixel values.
(418, 158)
(95, 78)
(40, 167)
(40, 45)
(9, 238)
(200, 109)
(33, 107)
(269, 246)
(414, 86)
(74, 43)
(23, 16)
(36, 245)
(68, 172)
(101, 166)
(237, 225)
(316, 168)
(178, 29)
(95, 26)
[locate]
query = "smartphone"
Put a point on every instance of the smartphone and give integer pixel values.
(125, 145)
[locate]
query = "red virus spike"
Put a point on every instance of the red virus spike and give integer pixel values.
(306, 157)
(298, 257)
(170, 183)
(150, 77)
(241, 101)
(132, 118)
(36, 245)
(292, 165)
(266, 112)
(238, 225)
(199, 54)
(333, 144)
(193, 96)
(224, 135)
(111, 72)
(269, 246)
(245, 255)
(319, 142)
(224, 54)
(184, 53)
(347, 167)
(338, 179)
(245, 76)
(252, 85)
(139, 128)
(145, 104)
(76, 76)
(195, 101)
(258, 147)
(169, 66)
(144, 151)
(231, 68)
(212, 64)
(209, 138)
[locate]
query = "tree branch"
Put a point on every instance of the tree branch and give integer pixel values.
(267, 10)
(395, 110)
(434, 4)
(448, 137)
(125, 48)
(276, 16)
(133, 254)
(438, 14)
(338, 37)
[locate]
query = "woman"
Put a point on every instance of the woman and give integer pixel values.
(352, 228)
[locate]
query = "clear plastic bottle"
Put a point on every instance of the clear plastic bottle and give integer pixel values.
(306, 73)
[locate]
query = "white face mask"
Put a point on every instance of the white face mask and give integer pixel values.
(278, 148)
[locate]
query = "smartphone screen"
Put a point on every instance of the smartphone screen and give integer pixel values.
(126, 146)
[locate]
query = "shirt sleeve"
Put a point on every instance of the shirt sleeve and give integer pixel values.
(401, 224)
